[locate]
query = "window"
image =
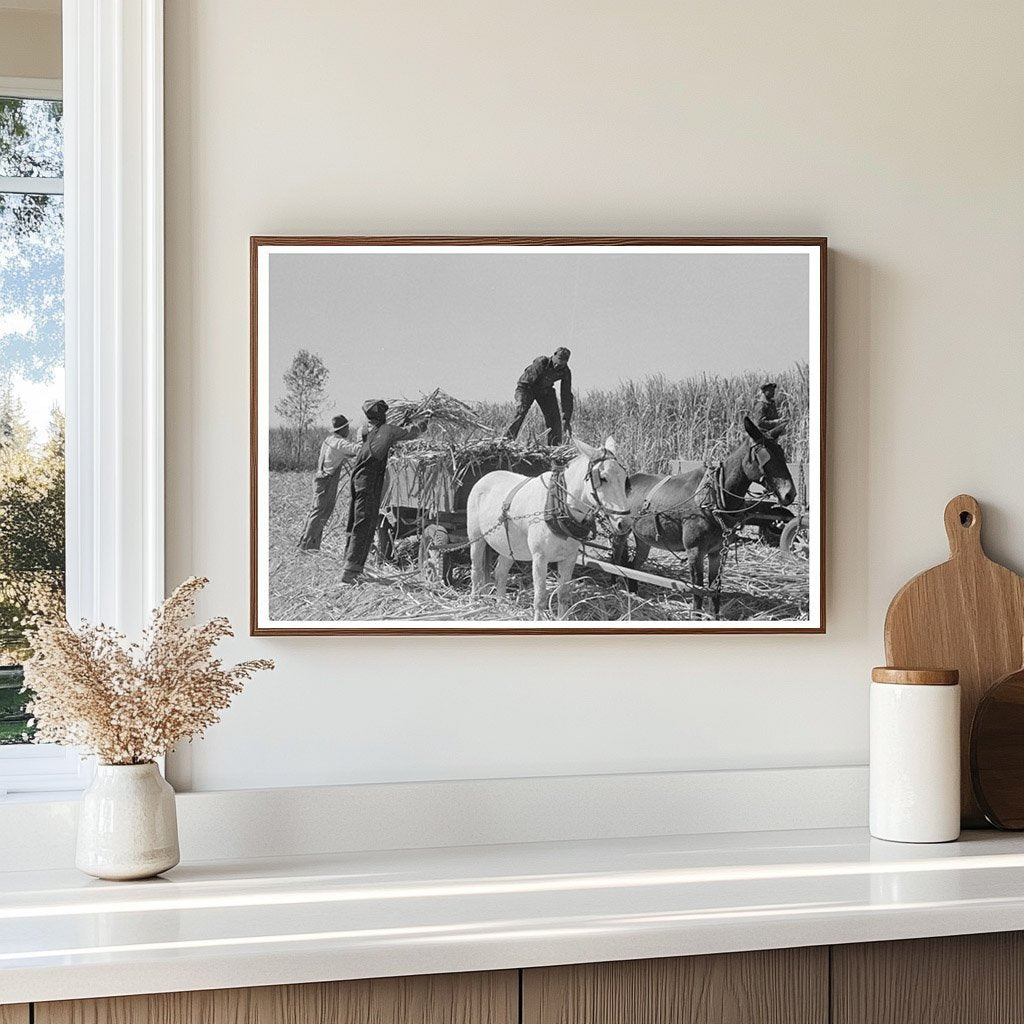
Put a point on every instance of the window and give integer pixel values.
(112, 211)
(32, 531)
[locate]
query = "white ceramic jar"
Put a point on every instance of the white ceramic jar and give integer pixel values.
(915, 755)
(127, 823)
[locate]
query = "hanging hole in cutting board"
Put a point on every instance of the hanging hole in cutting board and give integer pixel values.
(966, 519)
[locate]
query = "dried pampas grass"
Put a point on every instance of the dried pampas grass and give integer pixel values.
(129, 703)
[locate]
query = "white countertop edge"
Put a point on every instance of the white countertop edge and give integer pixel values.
(497, 952)
(232, 924)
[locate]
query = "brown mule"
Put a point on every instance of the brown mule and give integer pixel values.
(688, 513)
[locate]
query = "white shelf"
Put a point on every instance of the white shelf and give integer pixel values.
(353, 915)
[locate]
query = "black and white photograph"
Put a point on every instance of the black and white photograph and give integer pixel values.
(537, 435)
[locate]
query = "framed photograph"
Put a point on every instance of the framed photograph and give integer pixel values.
(537, 435)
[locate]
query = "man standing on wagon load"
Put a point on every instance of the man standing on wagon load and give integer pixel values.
(367, 487)
(537, 384)
(334, 452)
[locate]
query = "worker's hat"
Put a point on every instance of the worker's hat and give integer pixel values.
(375, 409)
(338, 422)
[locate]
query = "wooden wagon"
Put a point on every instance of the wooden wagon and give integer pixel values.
(426, 497)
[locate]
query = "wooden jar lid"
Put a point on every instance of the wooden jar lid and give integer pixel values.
(916, 676)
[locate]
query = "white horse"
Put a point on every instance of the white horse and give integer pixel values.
(544, 519)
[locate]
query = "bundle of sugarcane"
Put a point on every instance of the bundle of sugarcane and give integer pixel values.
(515, 449)
(434, 467)
(453, 416)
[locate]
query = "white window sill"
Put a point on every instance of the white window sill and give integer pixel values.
(42, 772)
(42, 797)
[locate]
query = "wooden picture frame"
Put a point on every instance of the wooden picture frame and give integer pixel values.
(485, 308)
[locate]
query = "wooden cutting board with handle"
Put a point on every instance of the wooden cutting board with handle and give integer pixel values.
(967, 614)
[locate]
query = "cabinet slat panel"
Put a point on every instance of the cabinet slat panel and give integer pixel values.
(779, 986)
(480, 998)
(14, 1014)
(962, 979)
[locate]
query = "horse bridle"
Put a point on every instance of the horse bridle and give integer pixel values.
(594, 476)
(760, 454)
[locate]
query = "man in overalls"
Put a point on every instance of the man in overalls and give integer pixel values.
(334, 452)
(367, 488)
(537, 384)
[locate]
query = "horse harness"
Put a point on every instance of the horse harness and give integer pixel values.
(710, 495)
(557, 514)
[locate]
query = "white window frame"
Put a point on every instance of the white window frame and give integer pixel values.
(114, 324)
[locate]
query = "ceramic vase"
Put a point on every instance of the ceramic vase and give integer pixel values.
(127, 825)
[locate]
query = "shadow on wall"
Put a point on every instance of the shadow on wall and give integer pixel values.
(853, 288)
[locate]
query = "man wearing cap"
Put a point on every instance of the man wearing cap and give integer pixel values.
(537, 384)
(766, 411)
(334, 452)
(367, 487)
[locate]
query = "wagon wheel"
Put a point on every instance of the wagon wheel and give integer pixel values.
(772, 527)
(435, 564)
(796, 538)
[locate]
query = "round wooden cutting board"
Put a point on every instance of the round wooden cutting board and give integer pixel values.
(967, 614)
(997, 752)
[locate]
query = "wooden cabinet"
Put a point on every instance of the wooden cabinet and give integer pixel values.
(962, 979)
(970, 979)
(778, 986)
(491, 998)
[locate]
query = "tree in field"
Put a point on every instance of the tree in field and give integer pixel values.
(305, 381)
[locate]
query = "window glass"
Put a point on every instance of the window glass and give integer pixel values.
(31, 138)
(31, 388)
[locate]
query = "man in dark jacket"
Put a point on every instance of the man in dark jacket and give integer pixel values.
(367, 488)
(766, 411)
(537, 384)
(336, 450)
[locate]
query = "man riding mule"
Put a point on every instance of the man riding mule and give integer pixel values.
(765, 414)
(546, 519)
(691, 513)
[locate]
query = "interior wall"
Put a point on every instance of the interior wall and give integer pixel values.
(894, 129)
(30, 44)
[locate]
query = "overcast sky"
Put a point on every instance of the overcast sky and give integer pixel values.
(397, 324)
